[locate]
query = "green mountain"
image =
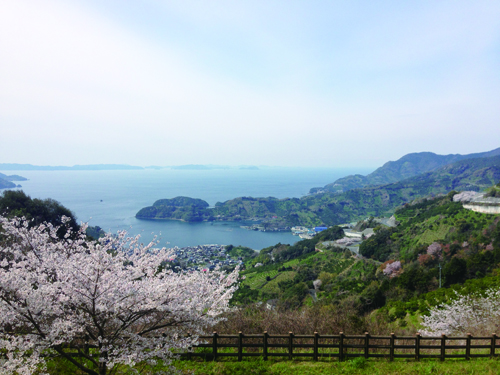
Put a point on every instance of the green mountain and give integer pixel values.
(408, 166)
(333, 208)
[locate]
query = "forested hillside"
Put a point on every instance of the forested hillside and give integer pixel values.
(393, 171)
(332, 208)
(38, 211)
(398, 271)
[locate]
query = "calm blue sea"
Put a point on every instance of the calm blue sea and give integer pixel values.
(110, 199)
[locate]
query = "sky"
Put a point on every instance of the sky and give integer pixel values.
(284, 83)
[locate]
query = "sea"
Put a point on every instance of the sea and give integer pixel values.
(110, 199)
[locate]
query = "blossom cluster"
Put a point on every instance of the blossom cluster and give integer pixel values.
(392, 269)
(435, 249)
(465, 314)
(115, 296)
(464, 196)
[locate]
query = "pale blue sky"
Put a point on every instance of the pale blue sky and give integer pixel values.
(292, 83)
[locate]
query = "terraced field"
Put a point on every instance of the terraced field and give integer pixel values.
(291, 263)
(255, 280)
(330, 262)
(272, 286)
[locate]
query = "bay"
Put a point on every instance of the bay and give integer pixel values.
(110, 199)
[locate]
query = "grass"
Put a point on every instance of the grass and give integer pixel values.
(431, 235)
(298, 366)
(351, 367)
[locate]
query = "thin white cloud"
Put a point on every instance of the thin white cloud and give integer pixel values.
(80, 85)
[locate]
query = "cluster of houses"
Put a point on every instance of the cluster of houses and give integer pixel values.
(353, 238)
(266, 228)
(306, 233)
(204, 257)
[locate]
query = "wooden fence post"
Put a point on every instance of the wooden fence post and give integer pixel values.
(391, 349)
(417, 347)
(443, 346)
(264, 338)
(240, 346)
(467, 346)
(315, 355)
(493, 344)
(367, 344)
(214, 348)
(341, 347)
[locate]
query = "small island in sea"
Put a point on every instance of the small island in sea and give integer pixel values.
(178, 208)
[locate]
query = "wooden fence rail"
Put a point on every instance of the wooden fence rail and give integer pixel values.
(343, 346)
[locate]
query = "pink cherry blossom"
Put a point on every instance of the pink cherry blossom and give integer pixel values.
(392, 268)
(464, 196)
(476, 314)
(435, 249)
(112, 301)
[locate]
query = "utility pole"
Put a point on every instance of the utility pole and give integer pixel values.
(440, 275)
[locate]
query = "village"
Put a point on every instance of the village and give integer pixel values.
(354, 233)
(208, 257)
(194, 258)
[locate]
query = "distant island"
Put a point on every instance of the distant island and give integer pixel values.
(179, 208)
(89, 167)
(200, 167)
(113, 167)
(6, 182)
(413, 176)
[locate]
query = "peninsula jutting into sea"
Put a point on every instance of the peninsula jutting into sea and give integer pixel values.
(348, 199)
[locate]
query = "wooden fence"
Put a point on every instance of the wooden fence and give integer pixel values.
(343, 346)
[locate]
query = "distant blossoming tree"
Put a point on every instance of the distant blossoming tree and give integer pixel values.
(464, 196)
(98, 304)
(435, 249)
(465, 314)
(391, 269)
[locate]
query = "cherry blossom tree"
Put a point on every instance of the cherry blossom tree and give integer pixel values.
(465, 314)
(464, 196)
(98, 304)
(392, 268)
(435, 249)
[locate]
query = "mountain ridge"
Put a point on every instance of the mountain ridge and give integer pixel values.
(407, 166)
(334, 208)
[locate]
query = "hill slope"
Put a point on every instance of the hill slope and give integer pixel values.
(432, 232)
(332, 209)
(408, 166)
